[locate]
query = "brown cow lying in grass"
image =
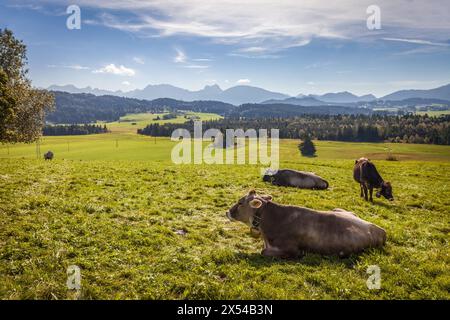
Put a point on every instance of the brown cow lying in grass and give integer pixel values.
(290, 231)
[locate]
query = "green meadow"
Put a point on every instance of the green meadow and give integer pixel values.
(130, 146)
(141, 227)
(434, 113)
(131, 122)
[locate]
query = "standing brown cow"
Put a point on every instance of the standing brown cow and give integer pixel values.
(366, 174)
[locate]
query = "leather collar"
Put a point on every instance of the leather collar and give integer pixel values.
(256, 222)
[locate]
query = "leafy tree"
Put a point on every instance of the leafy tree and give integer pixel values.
(22, 108)
(7, 105)
(307, 148)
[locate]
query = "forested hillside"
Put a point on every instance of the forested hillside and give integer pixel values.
(88, 108)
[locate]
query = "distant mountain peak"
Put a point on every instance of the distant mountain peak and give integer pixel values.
(214, 88)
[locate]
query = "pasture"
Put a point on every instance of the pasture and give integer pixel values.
(434, 113)
(131, 122)
(114, 205)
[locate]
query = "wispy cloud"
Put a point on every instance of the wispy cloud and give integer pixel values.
(74, 67)
(202, 59)
(180, 56)
(419, 41)
(116, 70)
(138, 60)
(318, 65)
(196, 66)
(266, 26)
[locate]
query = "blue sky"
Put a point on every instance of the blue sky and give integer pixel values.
(288, 46)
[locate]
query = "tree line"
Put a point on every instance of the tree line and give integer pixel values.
(73, 130)
(352, 128)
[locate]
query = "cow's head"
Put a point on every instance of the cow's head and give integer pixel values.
(269, 175)
(246, 207)
(386, 191)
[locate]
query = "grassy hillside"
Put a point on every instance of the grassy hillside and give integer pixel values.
(118, 221)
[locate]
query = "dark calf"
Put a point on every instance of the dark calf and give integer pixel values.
(294, 178)
(366, 174)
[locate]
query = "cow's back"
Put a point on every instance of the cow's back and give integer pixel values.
(342, 233)
(357, 169)
(335, 232)
(369, 174)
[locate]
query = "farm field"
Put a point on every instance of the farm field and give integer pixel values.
(117, 212)
(131, 122)
(434, 113)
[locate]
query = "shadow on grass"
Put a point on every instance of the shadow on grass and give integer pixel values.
(387, 205)
(309, 259)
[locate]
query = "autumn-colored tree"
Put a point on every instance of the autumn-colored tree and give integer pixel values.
(22, 107)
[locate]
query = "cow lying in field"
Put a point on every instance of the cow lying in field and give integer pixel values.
(290, 231)
(366, 174)
(293, 178)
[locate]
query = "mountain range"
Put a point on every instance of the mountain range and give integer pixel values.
(235, 95)
(241, 94)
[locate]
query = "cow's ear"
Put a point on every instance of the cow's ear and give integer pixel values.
(255, 203)
(252, 192)
(267, 197)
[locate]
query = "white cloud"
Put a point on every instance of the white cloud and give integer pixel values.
(126, 83)
(180, 57)
(267, 25)
(243, 81)
(138, 60)
(117, 70)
